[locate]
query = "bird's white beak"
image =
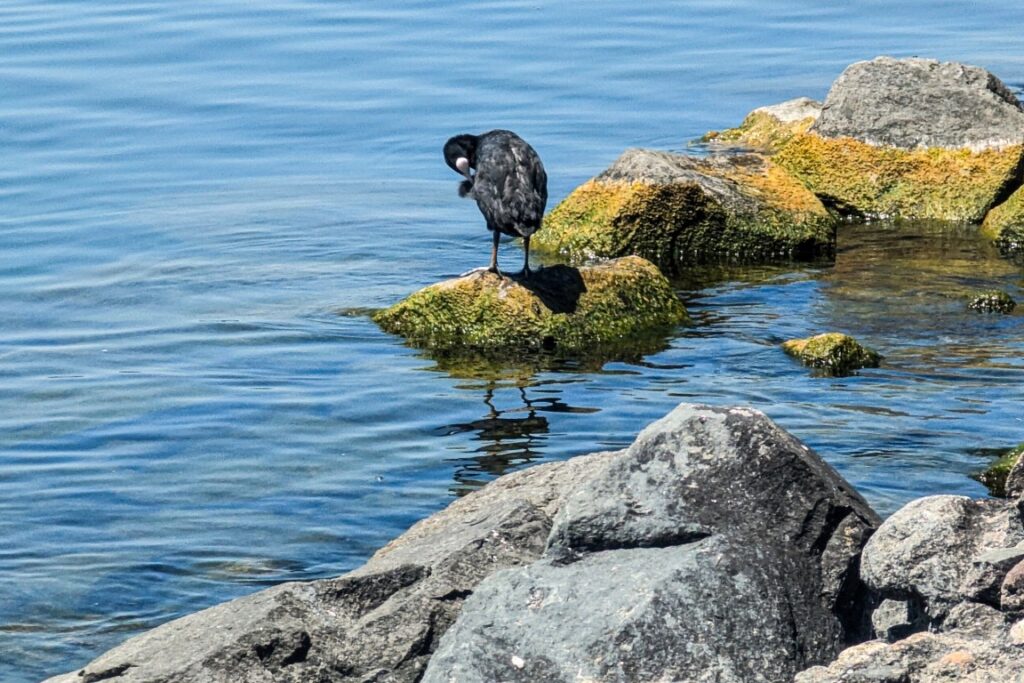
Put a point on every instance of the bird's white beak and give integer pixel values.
(462, 163)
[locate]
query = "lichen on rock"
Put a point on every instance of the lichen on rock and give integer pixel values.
(561, 309)
(677, 210)
(996, 475)
(859, 178)
(768, 128)
(833, 353)
(1004, 224)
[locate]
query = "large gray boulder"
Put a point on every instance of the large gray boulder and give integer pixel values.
(919, 103)
(716, 548)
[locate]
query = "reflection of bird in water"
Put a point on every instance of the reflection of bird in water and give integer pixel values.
(507, 179)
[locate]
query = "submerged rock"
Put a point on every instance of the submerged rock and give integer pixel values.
(676, 210)
(833, 353)
(561, 309)
(914, 138)
(717, 547)
(992, 301)
(770, 128)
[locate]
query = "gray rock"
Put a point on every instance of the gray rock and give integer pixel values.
(717, 547)
(979, 646)
(380, 622)
(896, 619)
(939, 551)
(794, 110)
(915, 103)
(1011, 593)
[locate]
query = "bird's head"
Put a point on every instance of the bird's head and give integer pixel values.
(460, 154)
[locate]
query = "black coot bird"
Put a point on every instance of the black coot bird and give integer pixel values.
(505, 176)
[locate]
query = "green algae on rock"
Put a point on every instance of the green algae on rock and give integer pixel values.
(912, 138)
(561, 309)
(992, 301)
(676, 210)
(769, 128)
(1004, 224)
(833, 353)
(995, 475)
(859, 178)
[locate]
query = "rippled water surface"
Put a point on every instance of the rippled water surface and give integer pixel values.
(190, 193)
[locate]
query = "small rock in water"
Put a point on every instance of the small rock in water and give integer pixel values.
(992, 301)
(835, 354)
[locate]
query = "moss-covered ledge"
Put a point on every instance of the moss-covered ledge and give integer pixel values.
(561, 309)
(677, 210)
(882, 181)
(1005, 224)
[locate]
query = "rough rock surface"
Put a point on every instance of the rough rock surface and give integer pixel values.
(951, 570)
(716, 548)
(833, 353)
(914, 138)
(980, 646)
(677, 210)
(944, 550)
(919, 103)
(380, 622)
(559, 309)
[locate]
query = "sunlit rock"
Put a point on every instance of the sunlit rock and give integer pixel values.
(560, 309)
(832, 353)
(1005, 477)
(914, 138)
(676, 210)
(1005, 224)
(769, 128)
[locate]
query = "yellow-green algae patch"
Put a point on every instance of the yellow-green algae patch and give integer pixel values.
(761, 131)
(560, 309)
(1005, 224)
(677, 211)
(833, 353)
(994, 477)
(945, 184)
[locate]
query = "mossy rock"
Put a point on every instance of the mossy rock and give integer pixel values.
(880, 181)
(768, 129)
(832, 353)
(559, 309)
(1005, 224)
(677, 210)
(992, 301)
(996, 475)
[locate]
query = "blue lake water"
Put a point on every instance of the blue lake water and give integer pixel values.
(192, 196)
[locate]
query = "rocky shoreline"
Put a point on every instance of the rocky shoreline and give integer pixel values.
(717, 547)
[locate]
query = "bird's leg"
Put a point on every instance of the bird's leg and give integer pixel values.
(526, 257)
(494, 254)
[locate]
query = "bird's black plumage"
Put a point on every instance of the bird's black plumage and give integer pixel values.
(507, 181)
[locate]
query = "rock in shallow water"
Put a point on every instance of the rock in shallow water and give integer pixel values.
(833, 353)
(677, 210)
(559, 308)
